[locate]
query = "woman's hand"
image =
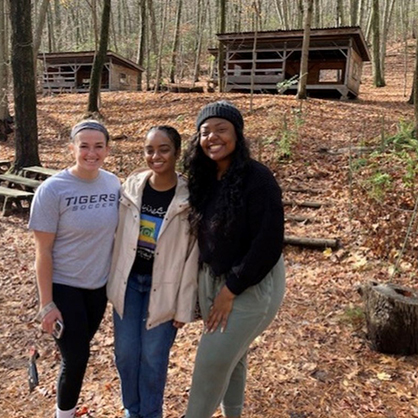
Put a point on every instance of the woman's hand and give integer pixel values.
(178, 324)
(49, 319)
(220, 310)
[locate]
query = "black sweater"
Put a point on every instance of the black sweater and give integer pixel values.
(255, 244)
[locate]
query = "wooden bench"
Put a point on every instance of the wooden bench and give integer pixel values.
(19, 182)
(38, 173)
(10, 196)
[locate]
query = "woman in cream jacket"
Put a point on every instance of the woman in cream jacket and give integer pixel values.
(153, 278)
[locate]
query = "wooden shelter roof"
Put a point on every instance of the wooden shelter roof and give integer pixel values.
(85, 57)
(296, 35)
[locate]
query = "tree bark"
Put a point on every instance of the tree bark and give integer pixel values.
(141, 41)
(378, 79)
(414, 94)
(158, 76)
(319, 243)
(303, 76)
(99, 59)
(58, 28)
(38, 31)
(24, 93)
(175, 42)
(5, 118)
(221, 49)
(340, 13)
(392, 317)
(254, 52)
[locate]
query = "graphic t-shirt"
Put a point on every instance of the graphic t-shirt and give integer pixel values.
(83, 215)
(153, 210)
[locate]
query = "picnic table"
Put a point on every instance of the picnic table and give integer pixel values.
(10, 196)
(38, 173)
(19, 182)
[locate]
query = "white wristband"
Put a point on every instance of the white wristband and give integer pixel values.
(45, 311)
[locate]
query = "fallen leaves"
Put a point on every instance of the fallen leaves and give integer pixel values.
(313, 361)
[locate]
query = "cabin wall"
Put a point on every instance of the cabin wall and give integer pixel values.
(355, 69)
(319, 72)
(122, 78)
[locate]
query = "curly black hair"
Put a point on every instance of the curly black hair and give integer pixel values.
(201, 172)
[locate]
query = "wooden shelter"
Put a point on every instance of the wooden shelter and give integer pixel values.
(70, 72)
(336, 57)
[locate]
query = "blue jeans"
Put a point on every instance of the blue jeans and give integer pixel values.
(141, 355)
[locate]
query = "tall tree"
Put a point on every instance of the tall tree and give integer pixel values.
(254, 52)
(303, 76)
(175, 48)
(4, 106)
(141, 41)
(378, 79)
(57, 26)
(99, 59)
(201, 13)
(37, 39)
(340, 13)
(415, 90)
(160, 51)
(24, 92)
(221, 48)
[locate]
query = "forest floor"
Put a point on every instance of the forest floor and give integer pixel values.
(314, 360)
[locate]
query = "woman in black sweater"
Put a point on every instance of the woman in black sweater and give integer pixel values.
(237, 213)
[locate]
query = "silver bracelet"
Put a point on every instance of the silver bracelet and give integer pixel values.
(45, 311)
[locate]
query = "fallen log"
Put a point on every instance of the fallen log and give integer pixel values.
(306, 204)
(391, 313)
(319, 243)
(302, 190)
(299, 218)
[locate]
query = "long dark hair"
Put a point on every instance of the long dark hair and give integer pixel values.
(201, 172)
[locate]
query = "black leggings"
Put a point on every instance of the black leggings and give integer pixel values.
(82, 311)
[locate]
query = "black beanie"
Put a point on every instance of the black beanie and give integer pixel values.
(223, 110)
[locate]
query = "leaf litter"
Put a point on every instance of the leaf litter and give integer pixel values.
(314, 360)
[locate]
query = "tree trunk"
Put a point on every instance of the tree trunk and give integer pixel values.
(175, 42)
(158, 76)
(152, 39)
(414, 94)
(392, 317)
(99, 59)
(254, 52)
(340, 13)
(303, 76)
(387, 20)
(38, 32)
(24, 93)
(300, 14)
(141, 42)
(58, 29)
(354, 12)
(4, 108)
(221, 49)
(202, 7)
(378, 79)
(51, 31)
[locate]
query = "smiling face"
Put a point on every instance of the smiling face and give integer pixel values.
(218, 140)
(90, 150)
(160, 153)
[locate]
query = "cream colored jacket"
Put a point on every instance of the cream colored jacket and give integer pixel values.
(174, 275)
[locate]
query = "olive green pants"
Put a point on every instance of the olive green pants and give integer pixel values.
(220, 368)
